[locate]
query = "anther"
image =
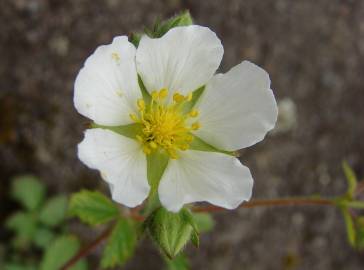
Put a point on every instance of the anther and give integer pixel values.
(193, 113)
(163, 93)
(178, 98)
(195, 126)
(141, 104)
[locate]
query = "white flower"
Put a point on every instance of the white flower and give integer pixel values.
(235, 110)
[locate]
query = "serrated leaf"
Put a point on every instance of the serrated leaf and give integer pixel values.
(120, 245)
(43, 237)
(28, 191)
(178, 263)
(24, 225)
(169, 230)
(350, 177)
(204, 221)
(156, 164)
(59, 252)
(92, 207)
(54, 211)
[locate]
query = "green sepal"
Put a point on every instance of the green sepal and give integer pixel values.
(200, 145)
(29, 191)
(170, 231)
(204, 221)
(120, 244)
(146, 96)
(134, 38)
(157, 162)
(180, 262)
(188, 106)
(160, 28)
(92, 207)
(129, 131)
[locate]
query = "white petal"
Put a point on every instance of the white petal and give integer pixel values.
(184, 59)
(205, 176)
(106, 88)
(121, 162)
(238, 108)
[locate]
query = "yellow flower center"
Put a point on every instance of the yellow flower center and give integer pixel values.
(164, 125)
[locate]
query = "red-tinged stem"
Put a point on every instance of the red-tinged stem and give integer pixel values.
(272, 202)
(88, 249)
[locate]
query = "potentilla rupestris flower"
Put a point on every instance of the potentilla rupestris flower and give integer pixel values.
(185, 104)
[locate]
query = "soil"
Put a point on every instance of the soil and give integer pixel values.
(314, 53)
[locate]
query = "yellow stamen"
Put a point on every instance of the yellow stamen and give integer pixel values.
(164, 126)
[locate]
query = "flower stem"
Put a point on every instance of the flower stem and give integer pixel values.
(134, 214)
(88, 249)
(272, 202)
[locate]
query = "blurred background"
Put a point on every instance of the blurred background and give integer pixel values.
(314, 53)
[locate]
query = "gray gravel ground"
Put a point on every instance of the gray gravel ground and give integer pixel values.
(314, 52)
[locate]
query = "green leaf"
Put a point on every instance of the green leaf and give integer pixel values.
(129, 131)
(28, 191)
(156, 164)
(178, 263)
(59, 252)
(92, 207)
(24, 225)
(350, 228)
(200, 145)
(43, 237)
(54, 211)
(121, 244)
(351, 178)
(182, 19)
(171, 231)
(204, 221)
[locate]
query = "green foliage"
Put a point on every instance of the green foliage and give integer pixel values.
(54, 211)
(24, 225)
(351, 178)
(61, 250)
(92, 207)
(360, 233)
(180, 262)
(171, 231)
(204, 222)
(43, 237)
(156, 164)
(121, 244)
(28, 191)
